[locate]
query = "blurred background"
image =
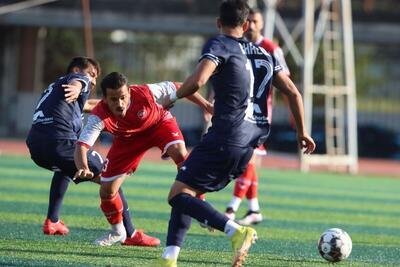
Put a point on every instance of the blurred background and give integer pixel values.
(158, 40)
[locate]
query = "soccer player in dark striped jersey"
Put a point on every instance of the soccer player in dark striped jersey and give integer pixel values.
(239, 124)
(57, 122)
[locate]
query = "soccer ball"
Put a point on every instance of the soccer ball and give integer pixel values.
(334, 245)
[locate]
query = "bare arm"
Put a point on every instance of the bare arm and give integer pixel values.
(90, 104)
(197, 79)
(199, 100)
(81, 162)
(287, 87)
(88, 137)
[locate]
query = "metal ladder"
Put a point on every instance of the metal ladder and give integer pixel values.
(338, 88)
(333, 72)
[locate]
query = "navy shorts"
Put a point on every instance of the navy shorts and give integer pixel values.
(58, 155)
(210, 166)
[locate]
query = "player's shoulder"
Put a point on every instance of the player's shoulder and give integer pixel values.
(268, 45)
(100, 110)
(77, 76)
(224, 42)
(140, 91)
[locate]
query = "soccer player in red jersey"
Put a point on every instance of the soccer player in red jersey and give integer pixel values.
(138, 123)
(247, 184)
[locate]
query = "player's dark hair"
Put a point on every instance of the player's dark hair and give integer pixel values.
(233, 13)
(254, 10)
(83, 63)
(114, 80)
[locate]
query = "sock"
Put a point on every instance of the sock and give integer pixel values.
(171, 252)
(199, 209)
(118, 227)
(253, 188)
(58, 187)
(254, 205)
(230, 228)
(243, 182)
(126, 215)
(112, 209)
(179, 224)
(235, 203)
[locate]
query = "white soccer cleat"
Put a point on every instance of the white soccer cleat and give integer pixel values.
(251, 218)
(110, 239)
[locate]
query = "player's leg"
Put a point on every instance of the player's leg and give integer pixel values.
(253, 215)
(122, 159)
(50, 154)
(53, 225)
(241, 188)
(112, 207)
(183, 200)
(96, 162)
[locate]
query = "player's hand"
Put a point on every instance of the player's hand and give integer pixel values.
(71, 92)
(83, 174)
(306, 143)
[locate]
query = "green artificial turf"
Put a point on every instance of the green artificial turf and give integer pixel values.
(297, 208)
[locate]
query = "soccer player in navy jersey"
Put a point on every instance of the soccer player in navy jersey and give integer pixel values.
(239, 124)
(56, 125)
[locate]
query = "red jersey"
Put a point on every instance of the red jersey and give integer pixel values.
(274, 50)
(143, 113)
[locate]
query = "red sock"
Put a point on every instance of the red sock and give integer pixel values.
(253, 188)
(112, 208)
(243, 182)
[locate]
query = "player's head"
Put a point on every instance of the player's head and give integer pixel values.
(233, 14)
(85, 65)
(116, 93)
(256, 23)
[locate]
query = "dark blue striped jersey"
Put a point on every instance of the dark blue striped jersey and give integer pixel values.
(264, 66)
(54, 118)
(239, 118)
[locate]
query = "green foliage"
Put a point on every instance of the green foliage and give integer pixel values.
(61, 46)
(297, 208)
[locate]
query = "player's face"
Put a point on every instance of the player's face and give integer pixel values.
(91, 72)
(118, 100)
(255, 27)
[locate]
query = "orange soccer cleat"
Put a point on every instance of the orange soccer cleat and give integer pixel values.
(57, 228)
(141, 239)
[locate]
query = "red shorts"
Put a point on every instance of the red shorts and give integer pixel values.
(124, 155)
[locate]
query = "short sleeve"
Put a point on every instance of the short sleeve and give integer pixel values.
(215, 51)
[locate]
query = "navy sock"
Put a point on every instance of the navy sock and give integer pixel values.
(199, 209)
(179, 224)
(59, 185)
(126, 215)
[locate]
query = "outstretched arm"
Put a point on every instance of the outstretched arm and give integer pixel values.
(287, 87)
(81, 162)
(88, 137)
(199, 100)
(197, 79)
(162, 92)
